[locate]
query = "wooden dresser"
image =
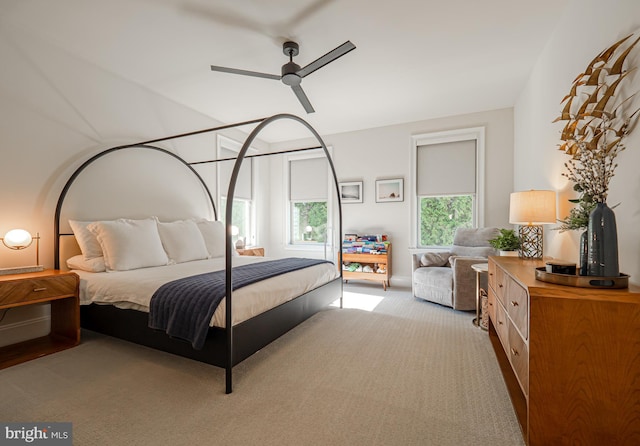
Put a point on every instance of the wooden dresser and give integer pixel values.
(570, 357)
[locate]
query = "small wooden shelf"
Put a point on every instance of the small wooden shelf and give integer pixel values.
(60, 290)
(375, 261)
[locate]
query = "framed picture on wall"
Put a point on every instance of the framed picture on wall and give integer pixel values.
(389, 190)
(351, 192)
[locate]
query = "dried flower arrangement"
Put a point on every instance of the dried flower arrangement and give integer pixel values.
(595, 129)
(578, 218)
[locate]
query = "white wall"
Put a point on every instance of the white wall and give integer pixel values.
(385, 152)
(587, 28)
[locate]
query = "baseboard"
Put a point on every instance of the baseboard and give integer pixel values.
(401, 281)
(24, 330)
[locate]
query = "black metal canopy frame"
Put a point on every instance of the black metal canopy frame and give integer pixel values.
(231, 357)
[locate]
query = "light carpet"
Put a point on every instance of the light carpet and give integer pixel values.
(400, 372)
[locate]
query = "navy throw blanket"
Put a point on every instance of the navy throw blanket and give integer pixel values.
(183, 308)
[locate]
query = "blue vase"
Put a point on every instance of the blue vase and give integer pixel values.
(602, 257)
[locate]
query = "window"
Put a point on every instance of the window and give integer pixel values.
(448, 183)
(308, 199)
(240, 218)
(309, 222)
(243, 207)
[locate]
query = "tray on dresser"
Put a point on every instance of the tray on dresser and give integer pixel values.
(621, 281)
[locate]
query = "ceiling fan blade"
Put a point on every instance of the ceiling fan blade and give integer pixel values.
(223, 16)
(245, 72)
(305, 13)
(327, 58)
(304, 100)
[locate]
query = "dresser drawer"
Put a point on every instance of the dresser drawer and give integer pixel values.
(519, 357)
(33, 289)
(502, 324)
(500, 285)
(491, 278)
(516, 303)
(491, 305)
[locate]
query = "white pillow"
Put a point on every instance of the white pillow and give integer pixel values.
(182, 241)
(213, 233)
(129, 244)
(95, 265)
(86, 239)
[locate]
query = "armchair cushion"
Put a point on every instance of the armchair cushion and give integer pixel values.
(433, 284)
(435, 259)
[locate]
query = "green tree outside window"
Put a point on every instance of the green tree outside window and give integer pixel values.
(441, 216)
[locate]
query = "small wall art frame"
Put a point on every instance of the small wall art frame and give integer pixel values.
(389, 190)
(351, 192)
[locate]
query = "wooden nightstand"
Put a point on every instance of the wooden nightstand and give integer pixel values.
(259, 252)
(58, 288)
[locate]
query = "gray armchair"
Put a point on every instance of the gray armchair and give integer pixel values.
(446, 277)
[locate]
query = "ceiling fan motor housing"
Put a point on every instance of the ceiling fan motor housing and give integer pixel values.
(289, 76)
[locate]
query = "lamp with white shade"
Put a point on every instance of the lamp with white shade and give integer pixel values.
(531, 209)
(18, 239)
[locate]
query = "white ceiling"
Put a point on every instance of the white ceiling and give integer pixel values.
(415, 59)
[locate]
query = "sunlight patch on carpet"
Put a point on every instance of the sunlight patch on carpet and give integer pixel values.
(359, 301)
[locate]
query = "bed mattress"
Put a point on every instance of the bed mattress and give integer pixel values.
(133, 289)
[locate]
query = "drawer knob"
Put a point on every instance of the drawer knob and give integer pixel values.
(499, 322)
(500, 285)
(35, 290)
(514, 303)
(514, 352)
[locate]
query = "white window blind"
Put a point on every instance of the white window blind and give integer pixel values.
(308, 179)
(446, 168)
(243, 185)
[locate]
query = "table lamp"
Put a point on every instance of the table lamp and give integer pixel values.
(19, 239)
(531, 209)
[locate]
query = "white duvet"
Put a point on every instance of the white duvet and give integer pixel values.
(133, 289)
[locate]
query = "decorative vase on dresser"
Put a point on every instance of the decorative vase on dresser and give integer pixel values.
(602, 257)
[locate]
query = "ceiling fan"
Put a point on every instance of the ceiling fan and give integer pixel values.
(292, 74)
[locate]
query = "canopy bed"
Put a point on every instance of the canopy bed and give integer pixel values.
(122, 222)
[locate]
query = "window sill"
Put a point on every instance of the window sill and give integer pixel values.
(309, 247)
